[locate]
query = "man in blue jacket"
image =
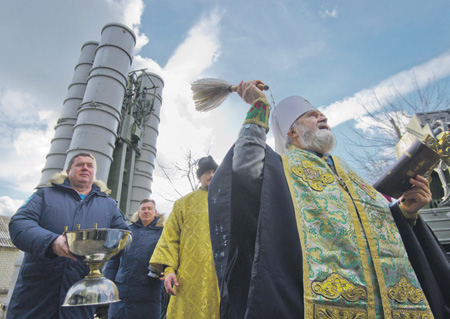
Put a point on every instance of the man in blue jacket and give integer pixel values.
(140, 295)
(48, 269)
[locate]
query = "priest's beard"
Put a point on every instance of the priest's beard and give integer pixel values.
(321, 141)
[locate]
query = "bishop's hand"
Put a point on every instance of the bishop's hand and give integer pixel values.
(416, 197)
(249, 91)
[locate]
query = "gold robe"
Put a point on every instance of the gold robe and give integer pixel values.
(352, 250)
(185, 249)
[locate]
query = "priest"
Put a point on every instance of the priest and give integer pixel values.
(298, 234)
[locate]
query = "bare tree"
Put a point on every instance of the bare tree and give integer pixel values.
(188, 169)
(185, 171)
(378, 132)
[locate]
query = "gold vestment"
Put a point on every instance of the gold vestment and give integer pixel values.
(185, 249)
(352, 249)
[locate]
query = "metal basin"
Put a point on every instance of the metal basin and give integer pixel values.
(97, 245)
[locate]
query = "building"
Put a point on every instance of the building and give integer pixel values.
(8, 257)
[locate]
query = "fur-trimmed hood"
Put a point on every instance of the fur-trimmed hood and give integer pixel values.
(159, 223)
(59, 178)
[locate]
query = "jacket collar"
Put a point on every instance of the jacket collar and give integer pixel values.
(152, 225)
(66, 185)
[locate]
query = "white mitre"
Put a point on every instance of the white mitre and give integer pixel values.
(285, 114)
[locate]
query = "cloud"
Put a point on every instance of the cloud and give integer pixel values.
(27, 128)
(370, 126)
(132, 11)
(193, 56)
(403, 82)
(325, 12)
(199, 50)
(183, 129)
(18, 108)
(9, 206)
(27, 160)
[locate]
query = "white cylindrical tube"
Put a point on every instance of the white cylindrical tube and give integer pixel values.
(152, 86)
(98, 118)
(60, 143)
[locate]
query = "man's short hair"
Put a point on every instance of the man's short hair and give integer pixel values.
(148, 200)
(84, 154)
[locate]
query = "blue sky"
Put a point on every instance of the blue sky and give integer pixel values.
(334, 53)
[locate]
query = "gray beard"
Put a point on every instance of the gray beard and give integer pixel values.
(321, 141)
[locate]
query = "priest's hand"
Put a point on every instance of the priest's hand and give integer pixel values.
(249, 92)
(169, 281)
(416, 197)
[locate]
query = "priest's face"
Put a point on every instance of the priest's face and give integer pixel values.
(206, 178)
(312, 132)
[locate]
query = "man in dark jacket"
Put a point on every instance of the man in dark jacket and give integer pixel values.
(48, 269)
(140, 295)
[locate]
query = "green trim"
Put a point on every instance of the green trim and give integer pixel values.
(259, 114)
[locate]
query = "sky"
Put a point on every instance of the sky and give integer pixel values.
(336, 54)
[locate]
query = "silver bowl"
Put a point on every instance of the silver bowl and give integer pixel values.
(98, 244)
(95, 247)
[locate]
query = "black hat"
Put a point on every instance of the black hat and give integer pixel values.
(206, 164)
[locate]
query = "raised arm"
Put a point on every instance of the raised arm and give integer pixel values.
(249, 150)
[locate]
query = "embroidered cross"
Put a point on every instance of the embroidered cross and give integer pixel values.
(316, 178)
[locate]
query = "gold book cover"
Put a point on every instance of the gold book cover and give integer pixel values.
(419, 159)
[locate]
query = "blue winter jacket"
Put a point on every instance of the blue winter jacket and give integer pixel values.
(44, 277)
(140, 294)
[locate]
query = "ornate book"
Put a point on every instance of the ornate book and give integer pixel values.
(420, 158)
